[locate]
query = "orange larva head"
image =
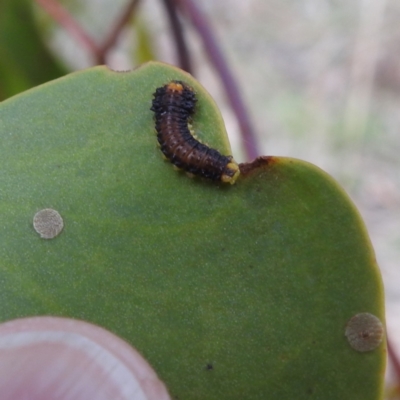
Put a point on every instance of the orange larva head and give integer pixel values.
(175, 86)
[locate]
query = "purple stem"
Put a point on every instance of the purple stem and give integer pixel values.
(119, 25)
(181, 46)
(201, 24)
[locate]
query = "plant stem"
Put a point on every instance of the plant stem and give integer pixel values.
(66, 20)
(203, 28)
(119, 25)
(394, 360)
(181, 46)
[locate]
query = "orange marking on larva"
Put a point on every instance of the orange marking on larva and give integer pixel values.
(175, 86)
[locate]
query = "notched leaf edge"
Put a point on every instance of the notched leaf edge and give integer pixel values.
(248, 169)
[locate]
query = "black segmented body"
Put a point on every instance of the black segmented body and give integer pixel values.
(173, 106)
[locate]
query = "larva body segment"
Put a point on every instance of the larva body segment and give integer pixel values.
(173, 106)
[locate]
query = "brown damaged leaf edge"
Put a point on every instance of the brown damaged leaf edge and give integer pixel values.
(247, 169)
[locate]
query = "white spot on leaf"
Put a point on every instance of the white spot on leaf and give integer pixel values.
(48, 223)
(364, 332)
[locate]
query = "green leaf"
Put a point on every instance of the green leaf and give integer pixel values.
(230, 292)
(24, 60)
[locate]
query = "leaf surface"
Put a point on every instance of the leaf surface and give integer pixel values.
(230, 292)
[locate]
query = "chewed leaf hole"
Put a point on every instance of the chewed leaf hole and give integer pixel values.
(48, 223)
(364, 332)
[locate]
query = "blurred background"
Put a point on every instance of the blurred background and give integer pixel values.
(319, 78)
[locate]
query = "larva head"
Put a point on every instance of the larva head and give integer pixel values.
(175, 86)
(231, 173)
(181, 94)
